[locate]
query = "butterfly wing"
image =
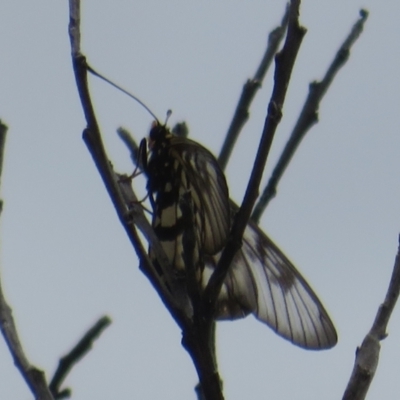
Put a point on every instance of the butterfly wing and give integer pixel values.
(262, 281)
(209, 191)
(178, 168)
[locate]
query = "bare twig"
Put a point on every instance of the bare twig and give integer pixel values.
(198, 340)
(367, 356)
(308, 116)
(3, 134)
(74, 28)
(92, 138)
(284, 65)
(67, 362)
(34, 377)
(130, 143)
(249, 90)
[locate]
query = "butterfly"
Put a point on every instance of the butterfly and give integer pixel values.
(261, 280)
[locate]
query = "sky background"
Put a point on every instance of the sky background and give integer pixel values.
(65, 259)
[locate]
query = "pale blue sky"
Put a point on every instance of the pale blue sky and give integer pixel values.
(65, 259)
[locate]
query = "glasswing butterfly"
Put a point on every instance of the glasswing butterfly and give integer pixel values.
(261, 279)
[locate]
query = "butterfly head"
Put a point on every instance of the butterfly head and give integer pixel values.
(159, 135)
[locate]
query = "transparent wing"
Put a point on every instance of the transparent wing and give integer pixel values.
(262, 281)
(209, 191)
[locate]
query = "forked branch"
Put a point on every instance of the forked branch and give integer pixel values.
(34, 377)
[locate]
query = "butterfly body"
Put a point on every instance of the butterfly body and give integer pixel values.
(179, 167)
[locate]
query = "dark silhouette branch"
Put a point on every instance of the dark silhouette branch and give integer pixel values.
(367, 356)
(250, 88)
(34, 377)
(68, 361)
(284, 65)
(125, 211)
(3, 134)
(308, 116)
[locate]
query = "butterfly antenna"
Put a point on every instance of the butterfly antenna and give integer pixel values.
(91, 70)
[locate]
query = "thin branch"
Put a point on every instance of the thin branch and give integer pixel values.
(249, 90)
(92, 138)
(367, 356)
(198, 341)
(3, 134)
(284, 65)
(68, 361)
(34, 377)
(130, 143)
(308, 116)
(74, 28)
